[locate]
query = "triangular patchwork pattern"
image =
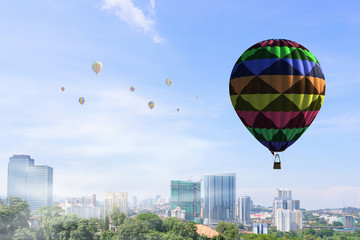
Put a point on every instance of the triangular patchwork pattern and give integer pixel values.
(262, 53)
(261, 121)
(302, 66)
(258, 65)
(277, 88)
(316, 72)
(243, 105)
(304, 86)
(241, 71)
(281, 67)
(257, 85)
(281, 103)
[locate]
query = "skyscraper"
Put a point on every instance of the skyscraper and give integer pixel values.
(116, 199)
(220, 198)
(244, 207)
(187, 196)
(286, 212)
(30, 182)
(289, 220)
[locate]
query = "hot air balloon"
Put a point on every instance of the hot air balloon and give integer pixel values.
(277, 88)
(81, 100)
(178, 109)
(132, 88)
(96, 67)
(168, 82)
(197, 97)
(151, 104)
(62, 89)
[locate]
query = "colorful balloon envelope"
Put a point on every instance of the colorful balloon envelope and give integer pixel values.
(197, 97)
(277, 88)
(178, 109)
(151, 104)
(81, 100)
(62, 89)
(168, 82)
(132, 88)
(96, 67)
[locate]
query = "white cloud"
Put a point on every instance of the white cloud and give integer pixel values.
(134, 16)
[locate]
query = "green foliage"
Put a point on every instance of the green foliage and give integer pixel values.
(218, 237)
(13, 217)
(24, 234)
(82, 232)
(325, 233)
(339, 224)
(131, 229)
(106, 235)
(151, 221)
(185, 230)
(228, 229)
(117, 217)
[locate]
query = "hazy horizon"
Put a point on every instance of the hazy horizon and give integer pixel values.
(114, 142)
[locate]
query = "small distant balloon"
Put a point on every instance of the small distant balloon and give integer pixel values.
(151, 104)
(178, 109)
(168, 82)
(132, 88)
(96, 67)
(197, 97)
(62, 89)
(81, 100)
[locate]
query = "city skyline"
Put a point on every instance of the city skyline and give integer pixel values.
(114, 142)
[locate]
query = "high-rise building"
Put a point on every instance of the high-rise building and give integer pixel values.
(286, 212)
(244, 207)
(283, 193)
(289, 220)
(83, 207)
(260, 228)
(116, 199)
(220, 198)
(347, 221)
(31, 183)
(187, 196)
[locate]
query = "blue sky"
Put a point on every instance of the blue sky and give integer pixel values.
(114, 142)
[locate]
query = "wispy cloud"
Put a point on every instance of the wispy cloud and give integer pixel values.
(134, 16)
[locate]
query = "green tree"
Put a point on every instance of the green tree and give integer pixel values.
(13, 216)
(106, 235)
(324, 233)
(46, 215)
(228, 229)
(117, 217)
(82, 232)
(151, 221)
(106, 222)
(131, 229)
(23, 234)
(339, 224)
(218, 237)
(172, 224)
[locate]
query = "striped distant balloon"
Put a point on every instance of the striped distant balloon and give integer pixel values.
(168, 82)
(277, 88)
(81, 100)
(151, 104)
(132, 88)
(96, 67)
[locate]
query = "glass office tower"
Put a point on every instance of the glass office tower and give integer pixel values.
(220, 198)
(29, 182)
